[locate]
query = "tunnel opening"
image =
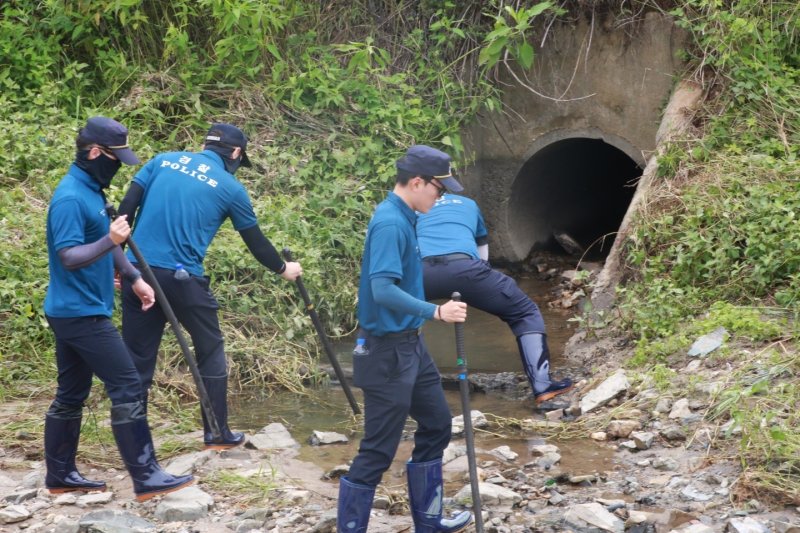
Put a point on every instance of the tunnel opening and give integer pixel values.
(571, 195)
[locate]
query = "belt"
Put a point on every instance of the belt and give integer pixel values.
(434, 259)
(405, 334)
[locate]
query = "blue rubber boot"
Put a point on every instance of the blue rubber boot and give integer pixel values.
(355, 502)
(136, 448)
(217, 389)
(62, 430)
(425, 493)
(535, 357)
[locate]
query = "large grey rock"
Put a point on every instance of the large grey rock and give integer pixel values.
(33, 479)
(708, 343)
(108, 521)
(478, 421)
(547, 461)
(690, 492)
(621, 429)
(319, 438)
(673, 433)
(187, 463)
(665, 463)
(746, 525)
(694, 527)
(273, 436)
(593, 514)
(453, 451)
(248, 524)
(542, 449)
(505, 453)
(680, 409)
(21, 495)
(66, 499)
(643, 439)
(13, 514)
(186, 504)
(94, 498)
(605, 392)
(490, 495)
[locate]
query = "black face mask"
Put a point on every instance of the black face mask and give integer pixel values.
(101, 168)
(231, 165)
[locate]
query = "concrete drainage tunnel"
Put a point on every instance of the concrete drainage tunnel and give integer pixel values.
(557, 165)
(572, 194)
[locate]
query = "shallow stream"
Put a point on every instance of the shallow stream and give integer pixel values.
(490, 348)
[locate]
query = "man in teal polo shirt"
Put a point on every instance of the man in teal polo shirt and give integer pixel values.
(182, 199)
(83, 250)
(397, 375)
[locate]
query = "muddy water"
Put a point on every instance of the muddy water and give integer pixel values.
(327, 410)
(489, 344)
(490, 347)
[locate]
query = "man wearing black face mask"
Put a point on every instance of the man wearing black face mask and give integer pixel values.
(182, 198)
(83, 251)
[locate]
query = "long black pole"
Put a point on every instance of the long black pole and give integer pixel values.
(161, 298)
(463, 386)
(287, 254)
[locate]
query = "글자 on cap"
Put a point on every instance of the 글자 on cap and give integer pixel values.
(110, 134)
(229, 135)
(426, 161)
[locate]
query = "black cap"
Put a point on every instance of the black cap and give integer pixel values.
(229, 135)
(426, 161)
(111, 134)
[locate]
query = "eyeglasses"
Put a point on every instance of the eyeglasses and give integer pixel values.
(439, 189)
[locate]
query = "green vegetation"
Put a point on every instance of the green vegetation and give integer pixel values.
(329, 99)
(331, 93)
(719, 242)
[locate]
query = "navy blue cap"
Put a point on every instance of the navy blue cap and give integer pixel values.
(229, 135)
(111, 134)
(426, 161)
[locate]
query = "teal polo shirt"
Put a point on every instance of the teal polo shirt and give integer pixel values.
(452, 226)
(77, 215)
(187, 197)
(390, 251)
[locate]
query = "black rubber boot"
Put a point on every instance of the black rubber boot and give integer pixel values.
(136, 448)
(535, 357)
(426, 495)
(62, 430)
(355, 502)
(217, 389)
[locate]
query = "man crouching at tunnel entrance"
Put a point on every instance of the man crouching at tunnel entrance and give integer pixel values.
(453, 244)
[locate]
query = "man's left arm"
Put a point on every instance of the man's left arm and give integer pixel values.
(266, 254)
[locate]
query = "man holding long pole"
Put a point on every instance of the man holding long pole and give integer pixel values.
(397, 374)
(182, 199)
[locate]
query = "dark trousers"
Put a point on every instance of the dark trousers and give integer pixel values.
(195, 308)
(399, 379)
(87, 346)
(485, 288)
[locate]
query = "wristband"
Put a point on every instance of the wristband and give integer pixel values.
(282, 269)
(439, 311)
